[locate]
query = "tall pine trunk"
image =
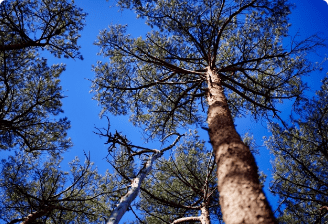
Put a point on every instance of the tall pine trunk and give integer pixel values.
(241, 197)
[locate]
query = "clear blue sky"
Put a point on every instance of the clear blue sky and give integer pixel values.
(308, 18)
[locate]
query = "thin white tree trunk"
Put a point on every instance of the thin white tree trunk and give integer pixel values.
(204, 218)
(127, 199)
(185, 219)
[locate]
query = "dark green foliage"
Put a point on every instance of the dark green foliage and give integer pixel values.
(31, 186)
(30, 96)
(181, 185)
(48, 24)
(301, 164)
(161, 79)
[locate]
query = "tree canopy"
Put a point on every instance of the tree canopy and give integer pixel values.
(301, 159)
(202, 64)
(30, 90)
(51, 25)
(226, 58)
(33, 188)
(36, 191)
(30, 98)
(182, 188)
(163, 76)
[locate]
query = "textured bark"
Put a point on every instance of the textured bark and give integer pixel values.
(127, 199)
(35, 215)
(241, 197)
(205, 216)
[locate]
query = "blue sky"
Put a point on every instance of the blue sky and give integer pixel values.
(309, 17)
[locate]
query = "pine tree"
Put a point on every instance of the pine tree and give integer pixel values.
(30, 97)
(36, 24)
(301, 163)
(123, 156)
(225, 58)
(30, 92)
(182, 188)
(33, 188)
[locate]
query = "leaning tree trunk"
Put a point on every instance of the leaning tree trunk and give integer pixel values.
(35, 215)
(204, 217)
(129, 197)
(241, 197)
